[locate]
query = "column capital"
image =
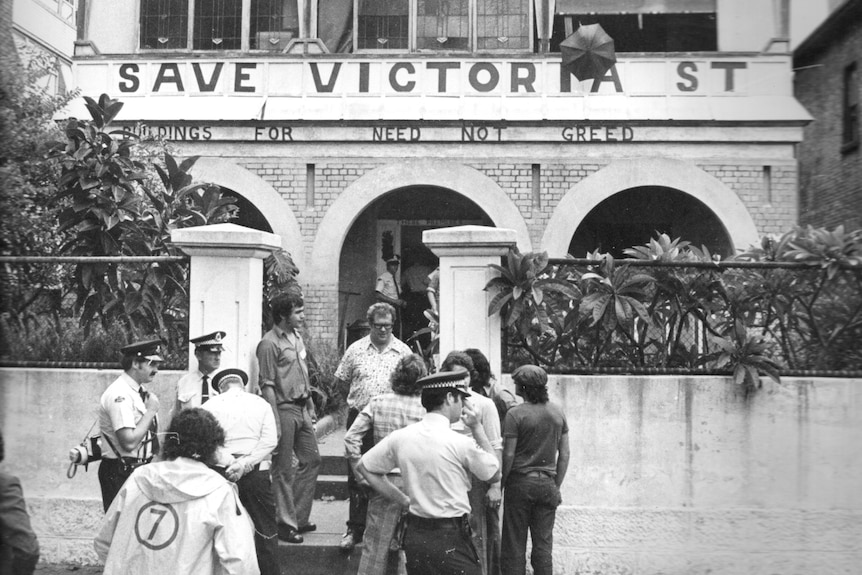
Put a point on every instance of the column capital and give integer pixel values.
(225, 240)
(470, 241)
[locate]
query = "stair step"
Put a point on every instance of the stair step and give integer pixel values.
(333, 465)
(331, 486)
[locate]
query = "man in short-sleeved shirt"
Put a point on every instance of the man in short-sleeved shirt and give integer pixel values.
(196, 387)
(535, 461)
(284, 383)
(366, 368)
(127, 418)
(436, 464)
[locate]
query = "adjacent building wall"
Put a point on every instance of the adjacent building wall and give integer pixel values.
(668, 475)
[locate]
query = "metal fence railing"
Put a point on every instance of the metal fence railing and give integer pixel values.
(643, 316)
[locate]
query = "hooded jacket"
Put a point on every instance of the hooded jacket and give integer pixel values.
(177, 517)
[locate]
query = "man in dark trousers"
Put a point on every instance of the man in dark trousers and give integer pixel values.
(535, 460)
(250, 437)
(284, 383)
(127, 418)
(436, 464)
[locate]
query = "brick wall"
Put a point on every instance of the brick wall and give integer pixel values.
(830, 180)
(771, 200)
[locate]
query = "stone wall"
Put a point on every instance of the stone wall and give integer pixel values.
(668, 475)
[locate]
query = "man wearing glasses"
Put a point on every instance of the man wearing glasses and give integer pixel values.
(366, 369)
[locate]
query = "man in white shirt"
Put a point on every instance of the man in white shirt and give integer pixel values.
(250, 437)
(436, 464)
(127, 418)
(195, 388)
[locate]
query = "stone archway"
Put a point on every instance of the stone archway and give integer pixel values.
(262, 195)
(626, 174)
(461, 179)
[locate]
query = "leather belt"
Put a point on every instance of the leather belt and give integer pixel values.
(536, 473)
(430, 523)
(298, 401)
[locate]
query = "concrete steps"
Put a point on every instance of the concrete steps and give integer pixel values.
(319, 553)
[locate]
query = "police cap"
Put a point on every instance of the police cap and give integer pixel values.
(148, 349)
(209, 342)
(226, 375)
(455, 380)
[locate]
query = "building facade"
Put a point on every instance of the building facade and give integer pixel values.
(348, 128)
(44, 31)
(828, 82)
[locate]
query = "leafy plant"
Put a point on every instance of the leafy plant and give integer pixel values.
(747, 356)
(109, 205)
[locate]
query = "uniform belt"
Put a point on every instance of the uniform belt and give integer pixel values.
(432, 523)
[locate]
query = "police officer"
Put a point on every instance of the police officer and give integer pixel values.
(196, 387)
(127, 418)
(436, 463)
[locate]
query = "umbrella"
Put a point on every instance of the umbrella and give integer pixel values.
(588, 52)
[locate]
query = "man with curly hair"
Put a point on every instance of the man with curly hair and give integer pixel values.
(535, 461)
(384, 414)
(178, 515)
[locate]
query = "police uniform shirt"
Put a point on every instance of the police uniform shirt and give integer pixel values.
(189, 389)
(121, 406)
(248, 423)
(388, 285)
(435, 463)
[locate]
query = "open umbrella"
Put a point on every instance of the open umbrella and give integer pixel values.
(588, 52)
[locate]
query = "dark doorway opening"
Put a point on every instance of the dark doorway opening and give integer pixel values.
(636, 215)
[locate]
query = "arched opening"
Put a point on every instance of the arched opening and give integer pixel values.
(249, 215)
(393, 223)
(634, 216)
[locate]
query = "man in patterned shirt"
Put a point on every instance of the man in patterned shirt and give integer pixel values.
(384, 414)
(367, 368)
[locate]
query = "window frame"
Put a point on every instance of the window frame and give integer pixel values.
(472, 25)
(850, 108)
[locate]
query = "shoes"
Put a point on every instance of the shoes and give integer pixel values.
(348, 542)
(307, 527)
(289, 535)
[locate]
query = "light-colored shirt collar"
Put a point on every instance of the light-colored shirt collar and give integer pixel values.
(130, 381)
(436, 419)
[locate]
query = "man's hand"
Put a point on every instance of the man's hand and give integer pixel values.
(360, 479)
(469, 415)
(494, 496)
(235, 471)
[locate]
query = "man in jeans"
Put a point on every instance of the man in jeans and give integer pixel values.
(535, 460)
(367, 368)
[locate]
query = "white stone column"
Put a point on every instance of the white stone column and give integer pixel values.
(226, 287)
(465, 252)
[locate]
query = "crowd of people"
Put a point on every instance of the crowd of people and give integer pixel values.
(430, 458)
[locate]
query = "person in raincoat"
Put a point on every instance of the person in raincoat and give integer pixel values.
(179, 515)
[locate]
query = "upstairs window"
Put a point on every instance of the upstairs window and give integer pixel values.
(443, 25)
(164, 24)
(642, 25)
(217, 25)
(850, 112)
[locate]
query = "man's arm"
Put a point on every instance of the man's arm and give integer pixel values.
(130, 437)
(354, 436)
(471, 420)
(509, 445)
(562, 459)
(381, 484)
(267, 360)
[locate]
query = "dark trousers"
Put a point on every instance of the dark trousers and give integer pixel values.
(293, 487)
(529, 503)
(444, 549)
(112, 475)
(255, 493)
(358, 495)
